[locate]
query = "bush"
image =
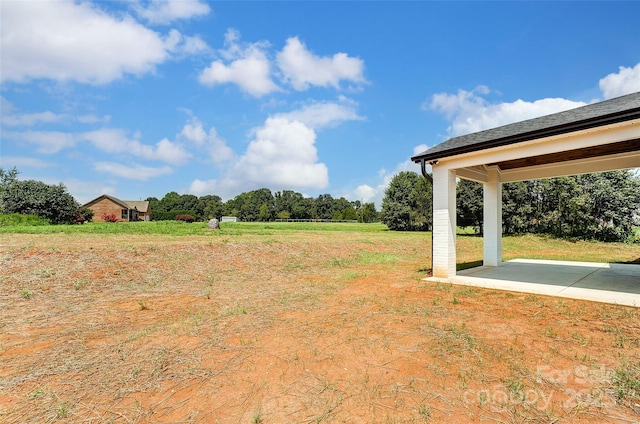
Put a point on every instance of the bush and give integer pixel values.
(109, 217)
(185, 217)
(31, 197)
(83, 215)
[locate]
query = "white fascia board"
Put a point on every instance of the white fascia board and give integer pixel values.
(614, 133)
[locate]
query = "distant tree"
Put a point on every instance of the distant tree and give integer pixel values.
(173, 204)
(265, 215)
(324, 206)
(367, 213)
(170, 201)
(520, 211)
(591, 206)
(154, 205)
(187, 202)
(305, 208)
(209, 206)
(8, 177)
(295, 204)
(599, 206)
(247, 205)
(469, 205)
(350, 213)
(405, 203)
(284, 215)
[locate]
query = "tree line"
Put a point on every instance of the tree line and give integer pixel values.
(602, 206)
(262, 205)
(55, 204)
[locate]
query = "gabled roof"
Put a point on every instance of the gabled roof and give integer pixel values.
(619, 109)
(113, 199)
(140, 206)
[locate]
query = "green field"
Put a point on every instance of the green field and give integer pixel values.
(469, 245)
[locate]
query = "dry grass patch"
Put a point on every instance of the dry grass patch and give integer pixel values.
(305, 327)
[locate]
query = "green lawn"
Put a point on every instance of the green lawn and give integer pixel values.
(182, 228)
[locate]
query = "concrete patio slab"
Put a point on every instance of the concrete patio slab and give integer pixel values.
(600, 282)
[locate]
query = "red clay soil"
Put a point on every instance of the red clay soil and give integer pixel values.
(323, 327)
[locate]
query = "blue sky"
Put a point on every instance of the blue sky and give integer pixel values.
(140, 98)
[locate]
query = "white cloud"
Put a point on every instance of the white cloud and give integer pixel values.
(248, 67)
(281, 156)
(23, 162)
(194, 132)
(11, 117)
(31, 119)
(48, 142)
(302, 69)
(165, 11)
(184, 45)
(365, 193)
(324, 114)
(93, 119)
(167, 151)
(626, 81)
(218, 149)
(202, 188)
(215, 146)
(106, 140)
(469, 112)
(77, 41)
(116, 141)
(132, 172)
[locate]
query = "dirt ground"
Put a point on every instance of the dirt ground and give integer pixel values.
(315, 327)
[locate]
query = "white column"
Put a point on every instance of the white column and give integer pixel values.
(444, 222)
(492, 210)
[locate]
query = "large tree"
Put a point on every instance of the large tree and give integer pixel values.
(31, 197)
(406, 205)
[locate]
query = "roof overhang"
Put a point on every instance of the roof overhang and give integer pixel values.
(596, 144)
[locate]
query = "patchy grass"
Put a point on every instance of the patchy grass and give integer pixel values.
(255, 323)
(17, 224)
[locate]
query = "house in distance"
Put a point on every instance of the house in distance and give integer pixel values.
(124, 210)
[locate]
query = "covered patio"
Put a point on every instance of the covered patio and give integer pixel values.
(600, 282)
(599, 137)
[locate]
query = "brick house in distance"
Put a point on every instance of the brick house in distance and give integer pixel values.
(124, 210)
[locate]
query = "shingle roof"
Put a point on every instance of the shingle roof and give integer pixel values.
(618, 109)
(140, 206)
